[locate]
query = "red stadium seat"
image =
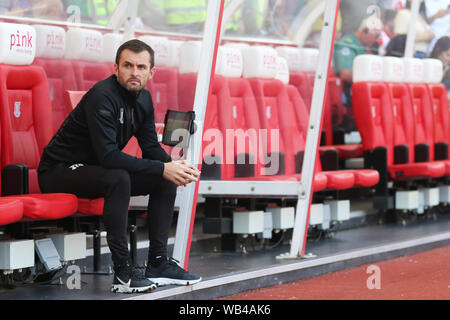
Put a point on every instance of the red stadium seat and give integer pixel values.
(337, 179)
(61, 77)
(302, 82)
(164, 90)
(273, 94)
(270, 96)
(390, 130)
(91, 207)
(11, 210)
(233, 107)
(336, 109)
(26, 128)
(70, 75)
(428, 115)
(186, 91)
(71, 99)
(333, 112)
(225, 113)
(238, 113)
(213, 156)
(47, 205)
(89, 73)
(110, 66)
(441, 120)
(422, 112)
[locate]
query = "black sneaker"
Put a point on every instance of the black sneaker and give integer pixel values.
(169, 272)
(127, 279)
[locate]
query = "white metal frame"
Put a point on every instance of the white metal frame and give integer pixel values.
(305, 20)
(312, 140)
(275, 189)
(125, 15)
(188, 201)
(411, 36)
(304, 188)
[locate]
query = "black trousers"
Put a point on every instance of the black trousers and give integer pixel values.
(116, 186)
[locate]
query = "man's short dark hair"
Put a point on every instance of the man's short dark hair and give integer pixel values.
(136, 46)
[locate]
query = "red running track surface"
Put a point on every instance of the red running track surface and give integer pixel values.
(424, 276)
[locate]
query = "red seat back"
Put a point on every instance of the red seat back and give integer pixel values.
(304, 84)
(164, 90)
(334, 110)
(423, 116)
(270, 96)
(26, 117)
(71, 99)
(239, 115)
(61, 77)
(293, 124)
(403, 119)
(213, 144)
(373, 116)
(295, 136)
(186, 91)
(441, 116)
(89, 73)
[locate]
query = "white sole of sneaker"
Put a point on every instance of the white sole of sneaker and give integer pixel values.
(120, 288)
(168, 281)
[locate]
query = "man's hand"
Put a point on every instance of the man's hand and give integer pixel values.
(180, 172)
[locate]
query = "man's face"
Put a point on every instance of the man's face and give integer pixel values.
(133, 70)
(370, 37)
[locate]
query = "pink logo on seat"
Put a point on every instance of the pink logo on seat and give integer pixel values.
(93, 44)
(20, 40)
(55, 40)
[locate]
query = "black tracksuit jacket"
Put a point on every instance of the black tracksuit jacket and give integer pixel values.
(101, 125)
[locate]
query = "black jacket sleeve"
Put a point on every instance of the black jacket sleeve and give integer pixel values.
(102, 124)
